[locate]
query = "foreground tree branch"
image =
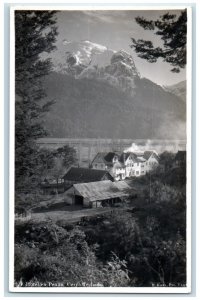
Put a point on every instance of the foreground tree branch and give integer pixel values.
(173, 32)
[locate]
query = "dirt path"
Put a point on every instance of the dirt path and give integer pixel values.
(69, 216)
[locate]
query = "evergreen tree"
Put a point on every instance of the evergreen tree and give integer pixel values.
(173, 32)
(35, 33)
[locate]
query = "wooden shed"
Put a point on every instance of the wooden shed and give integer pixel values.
(98, 194)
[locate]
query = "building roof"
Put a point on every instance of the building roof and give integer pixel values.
(125, 155)
(147, 154)
(107, 157)
(123, 186)
(85, 175)
(103, 190)
(137, 157)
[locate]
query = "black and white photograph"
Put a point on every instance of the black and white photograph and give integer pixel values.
(100, 196)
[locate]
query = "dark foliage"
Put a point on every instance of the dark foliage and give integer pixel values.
(140, 246)
(52, 254)
(173, 32)
(152, 243)
(35, 34)
(67, 155)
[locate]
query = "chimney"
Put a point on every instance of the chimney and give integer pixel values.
(124, 157)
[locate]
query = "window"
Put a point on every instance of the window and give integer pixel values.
(138, 164)
(137, 172)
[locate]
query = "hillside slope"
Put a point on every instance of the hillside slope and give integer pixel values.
(178, 89)
(87, 107)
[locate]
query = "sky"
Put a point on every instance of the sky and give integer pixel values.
(114, 29)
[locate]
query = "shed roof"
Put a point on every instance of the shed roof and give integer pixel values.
(103, 190)
(85, 175)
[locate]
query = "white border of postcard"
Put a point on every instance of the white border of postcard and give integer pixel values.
(144, 290)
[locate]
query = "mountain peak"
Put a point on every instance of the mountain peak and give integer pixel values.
(121, 55)
(84, 52)
(87, 59)
(178, 89)
(123, 63)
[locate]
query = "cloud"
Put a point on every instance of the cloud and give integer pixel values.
(106, 16)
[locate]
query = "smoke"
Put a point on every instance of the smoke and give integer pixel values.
(158, 146)
(139, 148)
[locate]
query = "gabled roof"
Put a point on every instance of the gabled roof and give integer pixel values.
(125, 155)
(99, 157)
(85, 175)
(106, 157)
(103, 190)
(147, 154)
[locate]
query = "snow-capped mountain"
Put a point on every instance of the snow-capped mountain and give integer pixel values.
(83, 53)
(93, 61)
(120, 72)
(99, 93)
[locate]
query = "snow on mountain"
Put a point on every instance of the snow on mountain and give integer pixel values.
(85, 59)
(83, 53)
(100, 93)
(85, 50)
(121, 71)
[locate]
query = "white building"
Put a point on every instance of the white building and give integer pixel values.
(110, 161)
(127, 164)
